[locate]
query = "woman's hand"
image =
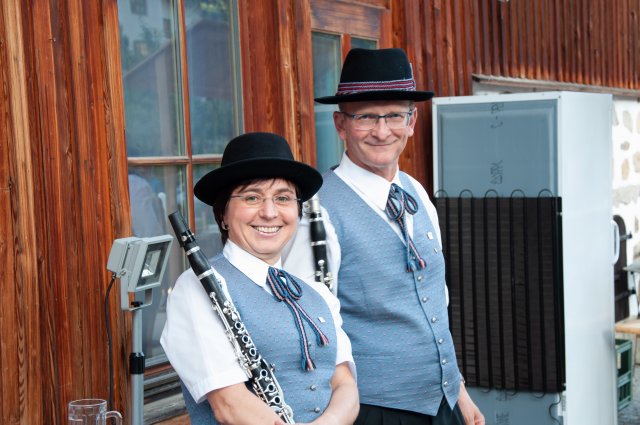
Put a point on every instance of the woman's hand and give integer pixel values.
(237, 405)
(344, 404)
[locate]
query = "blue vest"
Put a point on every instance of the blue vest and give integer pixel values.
(397, 320)
(274, 333)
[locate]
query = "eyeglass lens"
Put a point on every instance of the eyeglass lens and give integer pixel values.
(395, 120)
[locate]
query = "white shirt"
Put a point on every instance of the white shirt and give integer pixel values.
(297, 256)
(194, 338)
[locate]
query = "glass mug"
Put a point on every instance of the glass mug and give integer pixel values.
(91, 411)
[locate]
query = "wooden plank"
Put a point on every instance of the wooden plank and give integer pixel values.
(505, 39)
(304, 60)
(581, 43)
(483, 27)
(332, 16)
(448, 41)
(515, 29)
(378, 4)
(595, 17)
(459, 27)
(634, 43)
(520, 30)
(477, 36)
(22, 321)
(429, 65)
(288, 76)
(537, 38)
(185, 107)
(560, 44)
(614, 57)
(47, 35)
(178, 420)
(469, 43)
(9, 356)
(437, 20)
(494, 37)
(545, 21)
(407, 16)
(260, 67)
(631, 326)
(568, 46)
(622, 38)
(63, 140)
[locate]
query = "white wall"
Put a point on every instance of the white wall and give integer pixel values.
(626, 174)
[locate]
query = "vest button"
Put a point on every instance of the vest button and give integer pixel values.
(435, 250)
(419, 278)
(317, 410)
(434, 319)
(440, 340)
(444, 361)
(313, 387)
(425, 299)
(445, 383)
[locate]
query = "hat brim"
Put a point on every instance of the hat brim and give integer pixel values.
(416, 96)
(306, 178)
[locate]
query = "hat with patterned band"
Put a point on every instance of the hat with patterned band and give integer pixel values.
(369, 75)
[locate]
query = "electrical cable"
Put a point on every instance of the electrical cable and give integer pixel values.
(108, 325)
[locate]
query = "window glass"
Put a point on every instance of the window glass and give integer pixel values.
(161, 155)
(213, 85)
(363, 43)
(150, 74)
(154, 193)
(327, 62)
(208, 232)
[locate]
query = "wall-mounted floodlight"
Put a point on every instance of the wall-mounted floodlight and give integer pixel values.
(139, 263)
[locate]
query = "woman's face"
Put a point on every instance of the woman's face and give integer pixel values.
(260, 219)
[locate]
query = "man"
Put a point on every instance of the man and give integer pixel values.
(383, 245)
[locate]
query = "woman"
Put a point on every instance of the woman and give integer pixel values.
(256, 196)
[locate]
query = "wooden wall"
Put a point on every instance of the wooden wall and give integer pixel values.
(63, 177)
(578, 42)
(63, 198)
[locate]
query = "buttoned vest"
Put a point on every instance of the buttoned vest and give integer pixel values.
(397, 320)
(274, 333)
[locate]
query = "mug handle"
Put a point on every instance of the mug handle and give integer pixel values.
(115, 414)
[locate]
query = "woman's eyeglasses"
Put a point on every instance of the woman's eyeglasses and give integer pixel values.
(257, 200)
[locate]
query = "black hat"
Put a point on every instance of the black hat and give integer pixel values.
(257, 155)
(383, 74)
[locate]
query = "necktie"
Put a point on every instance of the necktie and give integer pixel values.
(399, 203)
(285, 289)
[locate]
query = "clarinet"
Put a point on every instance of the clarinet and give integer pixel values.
(319, 243)
(260, 373)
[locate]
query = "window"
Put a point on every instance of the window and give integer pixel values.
(181, 79)
(335, 29)
(327, 63)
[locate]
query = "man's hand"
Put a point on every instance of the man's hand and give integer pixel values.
(470, 412)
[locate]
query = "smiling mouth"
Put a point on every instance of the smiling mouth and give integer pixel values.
(381, 144)
(267, 229)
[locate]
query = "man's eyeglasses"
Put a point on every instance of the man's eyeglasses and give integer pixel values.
(394, 120)
(257, 200)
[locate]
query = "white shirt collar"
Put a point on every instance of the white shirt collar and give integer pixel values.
(371, 186)
(253, 267)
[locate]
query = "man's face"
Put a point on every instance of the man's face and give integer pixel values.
(377, 149)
